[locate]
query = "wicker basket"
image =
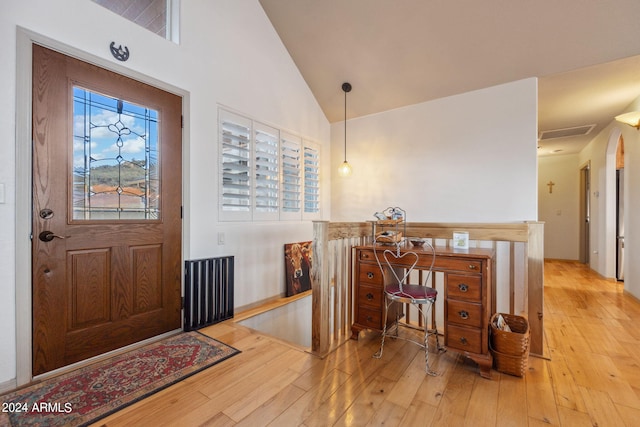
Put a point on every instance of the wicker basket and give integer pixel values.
(508, 364)
(510, 350)
(515, 342)
(392, 238)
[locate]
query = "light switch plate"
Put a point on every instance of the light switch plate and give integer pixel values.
(2, 193)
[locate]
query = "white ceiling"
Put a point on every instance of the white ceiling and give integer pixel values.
(402, 52)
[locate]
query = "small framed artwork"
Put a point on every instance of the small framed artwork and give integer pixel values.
(297, 267)
(460, 240)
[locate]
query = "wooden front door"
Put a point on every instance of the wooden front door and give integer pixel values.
(107, 156)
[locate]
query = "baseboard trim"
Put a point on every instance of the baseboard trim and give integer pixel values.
(8, 386)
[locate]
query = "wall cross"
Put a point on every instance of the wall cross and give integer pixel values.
(550, 184)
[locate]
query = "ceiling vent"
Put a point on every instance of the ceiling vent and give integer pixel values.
(566, 133)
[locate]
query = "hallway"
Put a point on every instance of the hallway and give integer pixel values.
(592, 333)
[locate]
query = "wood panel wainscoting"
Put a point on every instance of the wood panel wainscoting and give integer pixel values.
(518, 281)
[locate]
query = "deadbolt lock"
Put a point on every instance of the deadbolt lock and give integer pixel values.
(46, 213)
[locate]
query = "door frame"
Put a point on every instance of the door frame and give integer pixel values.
(23, 161)
(610, 240)
(585, 213)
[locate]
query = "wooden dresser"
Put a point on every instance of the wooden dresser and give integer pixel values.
(469, 297)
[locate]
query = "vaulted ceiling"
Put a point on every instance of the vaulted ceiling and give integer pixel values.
(586, 54)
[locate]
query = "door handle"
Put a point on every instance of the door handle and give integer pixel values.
(47, 236)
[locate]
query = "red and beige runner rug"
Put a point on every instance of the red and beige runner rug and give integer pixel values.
(85, 395)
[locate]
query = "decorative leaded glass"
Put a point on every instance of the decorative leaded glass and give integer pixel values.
(115, 159)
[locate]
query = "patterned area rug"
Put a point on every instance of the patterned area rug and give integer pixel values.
(83, 396)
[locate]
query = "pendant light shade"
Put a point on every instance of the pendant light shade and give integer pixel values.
(631, 119)
(345, 167)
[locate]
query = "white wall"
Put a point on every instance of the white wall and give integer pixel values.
(559, 210)
(632, 210)
(465, 158)
(601, 153)
(631, 196)
(290, 322)
(602, 194)
(229, 54)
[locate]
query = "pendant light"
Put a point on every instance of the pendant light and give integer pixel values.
(631, 119)
(345, 167)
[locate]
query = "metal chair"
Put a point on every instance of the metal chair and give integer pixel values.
(396, 267)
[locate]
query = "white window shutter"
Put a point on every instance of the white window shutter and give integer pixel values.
(235, 167)
(267, 175)
(311, 181)
(291, 161)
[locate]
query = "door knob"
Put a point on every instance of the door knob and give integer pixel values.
(47, 236)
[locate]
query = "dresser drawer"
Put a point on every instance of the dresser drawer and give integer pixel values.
(370, 318)
(366, 255)
(370, 273)
(464, 313)
(464, 339)
(464, 287)
(463, 265)
(445, 263)
(371, 296)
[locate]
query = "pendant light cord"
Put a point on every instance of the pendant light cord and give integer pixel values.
(346, 87)
(345, 125)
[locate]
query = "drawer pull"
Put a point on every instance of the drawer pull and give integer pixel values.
(463, 287)
(472, 267)
(369, 319)
(463, 340)
(369, 296)
(370, 275)
(463, 314)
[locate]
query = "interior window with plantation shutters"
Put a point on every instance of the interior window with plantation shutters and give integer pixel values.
(291, 154)
(235, 191)
(311, 181)
(267, 174)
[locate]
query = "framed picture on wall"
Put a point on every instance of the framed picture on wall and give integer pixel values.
(297, 267)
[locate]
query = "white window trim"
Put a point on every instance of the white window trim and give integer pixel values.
(173, 21)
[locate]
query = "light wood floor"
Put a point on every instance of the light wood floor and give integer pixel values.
(592, 376)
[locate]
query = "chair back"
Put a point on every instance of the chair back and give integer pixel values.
(392, 258)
